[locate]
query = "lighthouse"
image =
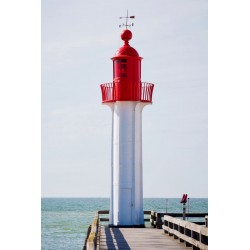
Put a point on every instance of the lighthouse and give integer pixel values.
(126, 96)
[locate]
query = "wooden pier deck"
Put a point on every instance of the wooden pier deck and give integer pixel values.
(136, 238)
(165, 231)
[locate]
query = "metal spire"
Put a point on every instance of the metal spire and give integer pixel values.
(126, 24)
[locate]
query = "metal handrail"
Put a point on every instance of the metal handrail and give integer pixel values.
(108, 92)
(146, 91)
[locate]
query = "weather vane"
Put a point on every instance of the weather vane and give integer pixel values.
(127, 17)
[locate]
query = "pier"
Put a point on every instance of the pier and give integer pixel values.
(165, 231)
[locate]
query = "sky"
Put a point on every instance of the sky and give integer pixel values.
(78, 40)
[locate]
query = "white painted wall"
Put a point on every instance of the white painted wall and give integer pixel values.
(126, 203)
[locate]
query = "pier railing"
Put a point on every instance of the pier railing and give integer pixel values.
(91, 239)
(156, 218)
(195, 236)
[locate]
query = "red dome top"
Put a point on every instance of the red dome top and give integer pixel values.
(126, 49)
(126, 35)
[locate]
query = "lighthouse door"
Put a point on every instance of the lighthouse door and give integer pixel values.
(126, 208)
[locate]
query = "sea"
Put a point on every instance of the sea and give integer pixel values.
(64, 221)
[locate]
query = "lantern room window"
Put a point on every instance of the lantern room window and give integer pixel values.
(120, 68)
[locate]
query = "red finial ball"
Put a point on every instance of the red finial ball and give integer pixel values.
(126, 35)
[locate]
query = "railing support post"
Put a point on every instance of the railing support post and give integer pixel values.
(158, 221)
(184, 211)
(152, 219)
(206, 221)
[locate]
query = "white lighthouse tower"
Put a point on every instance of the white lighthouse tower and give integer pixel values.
(126, 96)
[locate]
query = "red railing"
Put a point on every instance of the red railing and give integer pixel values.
(108, 92)
(146, 91)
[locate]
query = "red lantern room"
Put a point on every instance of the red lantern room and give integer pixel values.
(127, 71)
(127, 85)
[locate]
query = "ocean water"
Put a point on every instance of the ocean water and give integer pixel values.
(65, 221)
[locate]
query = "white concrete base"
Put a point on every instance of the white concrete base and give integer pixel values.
(126, 204)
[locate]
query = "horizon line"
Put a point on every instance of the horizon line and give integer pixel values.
(90, 197)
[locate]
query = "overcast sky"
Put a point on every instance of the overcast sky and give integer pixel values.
(78, 39)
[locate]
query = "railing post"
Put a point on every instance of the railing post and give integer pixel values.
(176, 227)
(184, 211)
(158, 221)
(165, 223)
(181, 230)
(206, 220)
(196, 236)
(153, 219)
(92, 239)
(187, 232)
